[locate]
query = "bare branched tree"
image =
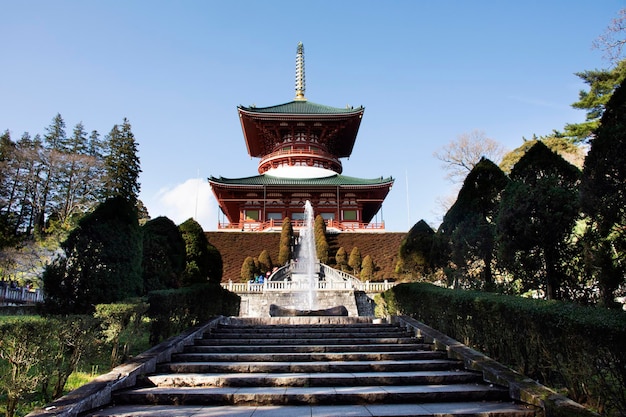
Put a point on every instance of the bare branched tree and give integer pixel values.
(613, 39)
(460, 155)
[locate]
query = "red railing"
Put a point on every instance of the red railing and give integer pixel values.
(345, 226)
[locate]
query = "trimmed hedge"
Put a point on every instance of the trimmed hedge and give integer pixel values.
(173, 311)
(560, 344)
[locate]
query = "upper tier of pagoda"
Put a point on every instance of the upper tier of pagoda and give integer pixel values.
(300, 133)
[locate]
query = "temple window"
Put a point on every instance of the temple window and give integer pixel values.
(274, 216)
(251, 215)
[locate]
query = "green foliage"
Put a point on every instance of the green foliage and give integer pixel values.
(216, 265)
(602, 84)
(265, 262)
(203, 260)
(285, 251)
(414, 256)
(537, 213)
(603, 197)
(38, 354)
(22, 344)
(72, 337)
(248, 269)
(321, 243)
(468, 228)
(558, 343)
(118, 318)
(102, 261)
(367, 268)
(122, 164)
(569, 151)
(163, 255)
(173, 311)
(355, 260)
(341, 259)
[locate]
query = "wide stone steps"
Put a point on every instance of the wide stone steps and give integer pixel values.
(307, 367)
(311, 395)
(304, 341)
(199, 347)
(351, 369)
(318, 379)
(306, 356)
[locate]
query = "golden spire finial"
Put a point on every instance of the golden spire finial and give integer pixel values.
(300, 84)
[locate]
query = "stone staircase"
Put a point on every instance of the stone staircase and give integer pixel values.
(338, 366)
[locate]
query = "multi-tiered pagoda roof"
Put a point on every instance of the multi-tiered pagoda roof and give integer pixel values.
(300, 144)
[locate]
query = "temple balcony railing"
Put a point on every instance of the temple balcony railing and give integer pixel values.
(303, 157)
(343, 226)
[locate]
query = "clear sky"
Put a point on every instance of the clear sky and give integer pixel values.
(425, 71)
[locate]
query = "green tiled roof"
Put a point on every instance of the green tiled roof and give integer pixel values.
(333, 180)
(302, 107)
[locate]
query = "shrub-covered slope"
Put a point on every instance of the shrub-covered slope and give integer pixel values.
(236, 246)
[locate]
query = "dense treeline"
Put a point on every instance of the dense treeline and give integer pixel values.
(546, 229)
(51, 179)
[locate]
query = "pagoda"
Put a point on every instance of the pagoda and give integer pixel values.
(300, 144)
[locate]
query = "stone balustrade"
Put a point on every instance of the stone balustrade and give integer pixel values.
(20, 295)
(322, 285)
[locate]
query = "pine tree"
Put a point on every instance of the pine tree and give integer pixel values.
(265, 261)
(102, 262)
(122, 164)
(355, 260)
(197, 253)
(248, 269)
(367, 268)
(341, 259)
(163, 255)
(321, 243)
(414, 255)
(468, 228)
(76, 175)
(285, 252)
(55, 145)
(603, 198)
(536, 215)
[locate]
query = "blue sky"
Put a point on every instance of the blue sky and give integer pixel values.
(425, 71)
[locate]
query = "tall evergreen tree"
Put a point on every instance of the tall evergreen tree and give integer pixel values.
(414, 255)
(204, 262)
(341, 259)
(265, 261)
(321, 243)
(164, 255)
(102, 262)
(76, 176)
(122, 164)
(248, 269)
(603, 197)
(355, 260)
(469, 225)
(55, 145)
(536, 217)
(367, 268)
(285, 250)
